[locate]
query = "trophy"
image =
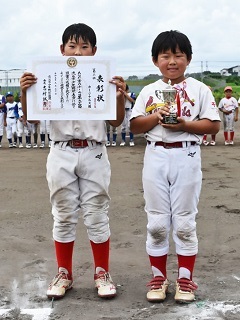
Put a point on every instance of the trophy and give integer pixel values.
(171, 98)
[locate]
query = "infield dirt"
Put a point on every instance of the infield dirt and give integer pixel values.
(27, 253)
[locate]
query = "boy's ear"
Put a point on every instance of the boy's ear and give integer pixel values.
(189, 61)
(94, 50)
(62, 49)
(154, 62)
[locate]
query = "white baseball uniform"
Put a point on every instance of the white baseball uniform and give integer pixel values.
(125, 127)
(2, 110)
(20, 126)
(12, 114)
(44, 127)
(172, 175)
(79, 178)
(231, 105)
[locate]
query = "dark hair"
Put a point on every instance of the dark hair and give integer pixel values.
(171, 40)
(79, 30)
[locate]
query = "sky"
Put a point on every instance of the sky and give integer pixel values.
(125, 30)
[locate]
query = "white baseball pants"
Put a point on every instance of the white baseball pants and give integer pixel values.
(172, 180)
(11, 127)
(1, 123)
(79, 179)
(228, 122)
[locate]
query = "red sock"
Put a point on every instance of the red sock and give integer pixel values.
(231, 135)
(101, 254)
(205, 137)
(160, 263)
(64, 253)
(187, 262)
(213, 137)
(226, 135)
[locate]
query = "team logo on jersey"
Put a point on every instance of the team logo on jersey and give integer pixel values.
(99, 156)
(72, 62)
(191, 154)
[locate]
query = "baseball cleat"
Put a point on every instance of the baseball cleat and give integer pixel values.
(104, 284)
(114, 144)
(10, 145)
(158, 290)
(213, 143)
(131, 144)
(35, 145)
(205, 142)
(28, 146)
(14, 145)
(226, 143)
(20, 145)
(185, 290)
(108, 144)
(231, 142)
(122, 144)
(42, 145)
(59, 285)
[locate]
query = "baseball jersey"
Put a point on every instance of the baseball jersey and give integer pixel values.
(129, 104)
(12, 110)
(78, 129)
(196, 101)
(20, 112)
(2, 100)
(228, 104)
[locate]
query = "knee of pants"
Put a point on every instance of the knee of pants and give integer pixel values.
(186, 241)
(64, 226)
(157, 234)
(157, 243)
(97, 224)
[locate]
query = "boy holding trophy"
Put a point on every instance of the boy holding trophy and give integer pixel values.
(174, 113)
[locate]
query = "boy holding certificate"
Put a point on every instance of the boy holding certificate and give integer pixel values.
(78, 175)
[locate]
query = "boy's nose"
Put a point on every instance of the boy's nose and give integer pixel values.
(78, 52)
(172, 60)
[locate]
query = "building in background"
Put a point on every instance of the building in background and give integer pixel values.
(9, 80)
(233, 71)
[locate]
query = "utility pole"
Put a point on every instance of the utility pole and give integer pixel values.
(202, 71)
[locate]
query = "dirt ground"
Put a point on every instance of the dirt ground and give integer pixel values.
(27, 253)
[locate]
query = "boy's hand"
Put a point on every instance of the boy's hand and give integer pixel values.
(180, 126)
(27, 80)
(120, 84)
(163, 111)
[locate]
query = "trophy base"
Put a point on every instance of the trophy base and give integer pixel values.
(171, 119)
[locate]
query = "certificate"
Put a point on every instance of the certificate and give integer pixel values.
(72, 88)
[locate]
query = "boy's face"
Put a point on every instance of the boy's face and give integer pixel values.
(79, 48)
(228, 93)
(10, 99)
(172, 65)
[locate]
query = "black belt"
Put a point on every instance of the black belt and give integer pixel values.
(170, 145)
(11, 117)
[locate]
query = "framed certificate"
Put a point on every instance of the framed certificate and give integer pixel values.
(72, 88)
